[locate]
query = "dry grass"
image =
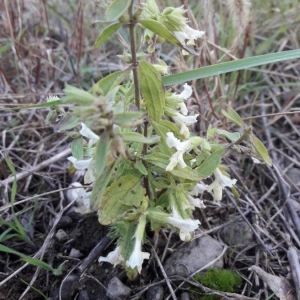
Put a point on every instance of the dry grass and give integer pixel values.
(45, 44)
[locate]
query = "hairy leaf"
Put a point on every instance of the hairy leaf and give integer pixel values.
(152, 90)
(106, 33)
(125, 192)
(116, 9)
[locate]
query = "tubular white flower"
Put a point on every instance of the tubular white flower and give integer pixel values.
(188, 33)
(80, 164)
(195, 202)
(181, 147)
(115, 257)
(180, 119)
(184, 225)
(187, 92)
(88, 133)
(137, 256)
(219, 183)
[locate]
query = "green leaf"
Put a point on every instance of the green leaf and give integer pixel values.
(128, 119)
(125, 192)
(137, 137)
(107, 83)
(68, 122)
(233, 116)
(232, 136)
(78, 96)
(101, 153)
(33, 106)
(231, 66)
(164, 32)
(152, 90)
(77, 148)
(211, 163)
(106, 33)
(30, 260)
(100, 186)
(140, 166)
(116, 9)
(261, 150)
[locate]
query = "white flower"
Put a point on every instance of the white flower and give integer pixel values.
(183, 121)
(93, 138)
(137, 256)
(115, 257)
(88, 133)
(81, 197)
(188, 33)
(219, 183)
(184, 225)
(80, 164)
(187, 92)
(200, 187)
(195, 202)
(181, 147)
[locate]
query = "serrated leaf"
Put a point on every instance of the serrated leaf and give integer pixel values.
(152, 90)
(140, 166)
(116, 9)
(233, 116)
(77, 148)
(164, 32)
(106, 33)
(107, 83)
(101, 153)
(125, 191)
(139, 138)
(78, 96)
(230, 66)
(261, 150)
(100, 186)
(211, 163)
(232, 136)
(128, 119)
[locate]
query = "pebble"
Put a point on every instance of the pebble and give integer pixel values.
(155, 292)
(193, 256)
(117, 290)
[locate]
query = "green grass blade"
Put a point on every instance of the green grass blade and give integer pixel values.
(230, 67)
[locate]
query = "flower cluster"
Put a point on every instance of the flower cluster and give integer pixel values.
(173, 20)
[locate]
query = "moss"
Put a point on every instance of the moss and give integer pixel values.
(220, 280)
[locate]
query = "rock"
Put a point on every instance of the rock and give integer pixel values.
(193, 256)
(185, 296)
(155, 292)
(69, 287)
(83, 295)
(61, 235)
(75, 253)
(237, 233)
(117, 290)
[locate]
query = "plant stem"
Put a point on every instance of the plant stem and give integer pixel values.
(135, 63)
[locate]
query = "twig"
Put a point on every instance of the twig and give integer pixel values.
(295, 267)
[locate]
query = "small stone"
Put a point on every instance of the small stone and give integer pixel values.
(69, 287)
(117, 290)
(185, 296)
(83, 295)
(237, 233)
(193, 256)
(155, 292)
(75, 253)
(61, 235)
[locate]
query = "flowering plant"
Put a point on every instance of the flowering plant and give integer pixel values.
(133, 139)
